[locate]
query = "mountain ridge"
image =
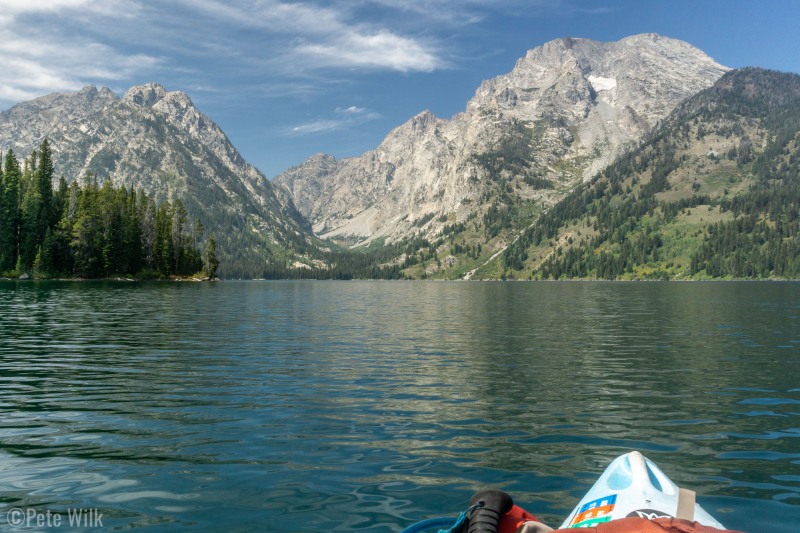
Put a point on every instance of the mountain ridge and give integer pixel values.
(574, 102)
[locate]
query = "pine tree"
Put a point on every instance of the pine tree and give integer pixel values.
(30, 204)
(110, 210)
(9, 211)
(148, 225)
(44, 263)
(211, 261)
(86, 242)
(133, 234)
(43, 176)
(5, 227)
(163, 249)
(179, 217)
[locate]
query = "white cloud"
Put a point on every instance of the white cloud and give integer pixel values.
(451, 12)
(274, 15)
(280, 47)
(357, 114)
(62, 45)
(378, 50)
(327, 37)
(39, 54)
(117, 8)
(459, 13)
(344, 118)
(318, 126)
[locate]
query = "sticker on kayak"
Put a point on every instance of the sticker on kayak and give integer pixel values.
(594, 512)
(650, 514)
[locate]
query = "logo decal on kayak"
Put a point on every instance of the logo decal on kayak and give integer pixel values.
(594, 512)
(650, 514)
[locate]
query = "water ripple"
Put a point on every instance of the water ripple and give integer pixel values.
(365, 406)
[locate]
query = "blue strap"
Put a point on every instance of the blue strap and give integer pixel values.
(424, 525)
(463, 517)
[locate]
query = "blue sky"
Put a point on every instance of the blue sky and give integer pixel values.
(287, 79)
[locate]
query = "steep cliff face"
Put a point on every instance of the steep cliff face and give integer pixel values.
(566, 110)
(158, 141)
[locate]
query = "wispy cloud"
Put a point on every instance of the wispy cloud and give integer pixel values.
(274, 15)
(39, 54)
(343, 118)
(317, 126)
(279, 47)
(463, 12)
(600, 10)
(57, 45)
(379, 50)
(326, 37)
(13, 8)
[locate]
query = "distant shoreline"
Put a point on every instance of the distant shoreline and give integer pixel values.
(117, 279)
(577, 280)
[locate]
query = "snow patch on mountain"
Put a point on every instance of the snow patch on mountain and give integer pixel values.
(602, 84)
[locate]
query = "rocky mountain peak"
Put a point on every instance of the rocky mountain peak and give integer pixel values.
(174, 100)
(571, 71)
(178, 108)
(154, 96)
(88, 92)
(417, 128)
(320, 159)
(146, 95)
(423, 120)
(565, 111)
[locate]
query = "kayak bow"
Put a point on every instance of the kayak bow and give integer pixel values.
(631, 486)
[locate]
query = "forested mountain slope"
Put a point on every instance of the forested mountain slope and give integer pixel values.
(713, 192)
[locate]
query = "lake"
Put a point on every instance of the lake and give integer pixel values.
(366, 406)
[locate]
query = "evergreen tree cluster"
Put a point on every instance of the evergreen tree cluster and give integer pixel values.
(511, 156)
(763, 239)
(338, 264)
(91, 230)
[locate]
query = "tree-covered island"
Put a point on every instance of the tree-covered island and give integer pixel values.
(92, 230)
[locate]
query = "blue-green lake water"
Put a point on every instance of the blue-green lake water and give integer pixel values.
(365, 406)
